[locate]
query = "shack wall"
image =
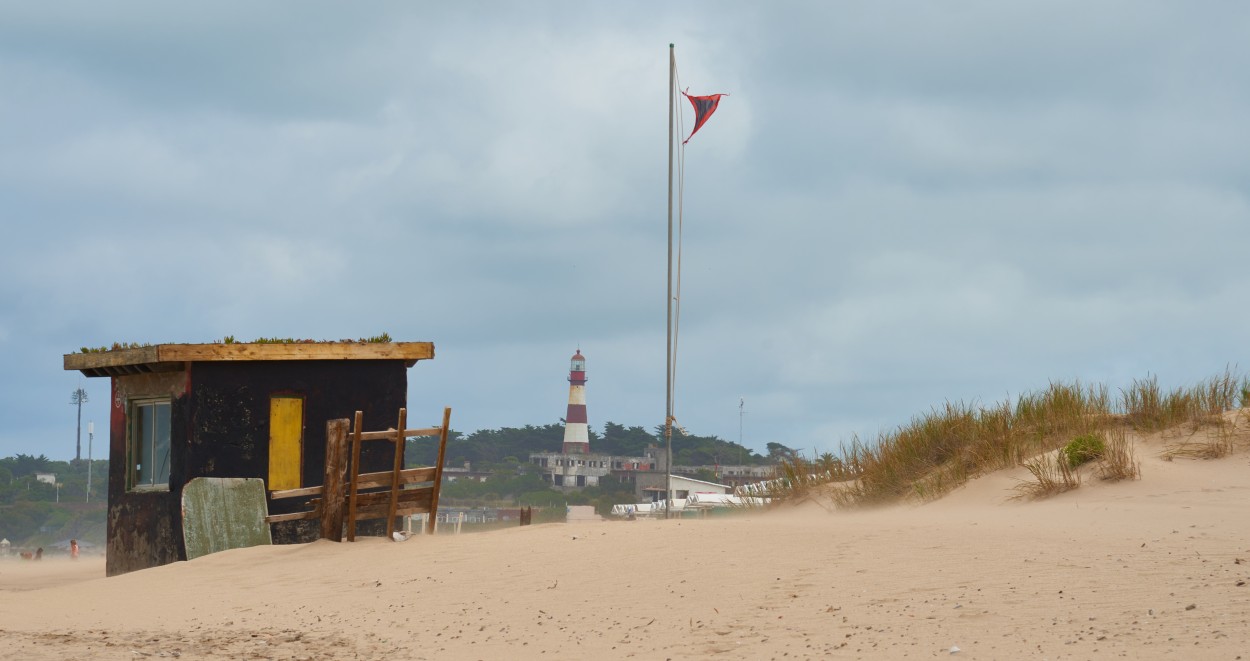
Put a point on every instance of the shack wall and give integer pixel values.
(144, 527)
(219, 418)
(229, 434)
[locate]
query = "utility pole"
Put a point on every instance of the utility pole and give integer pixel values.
(742, 402)
(78, 398)
(90, 438)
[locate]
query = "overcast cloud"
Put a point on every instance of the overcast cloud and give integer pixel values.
(899, 203)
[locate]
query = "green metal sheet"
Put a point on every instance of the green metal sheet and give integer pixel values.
(221, 513)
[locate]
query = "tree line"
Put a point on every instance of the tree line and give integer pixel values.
(39, 513)
(486, 448)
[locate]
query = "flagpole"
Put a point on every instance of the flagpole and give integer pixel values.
(668, 358)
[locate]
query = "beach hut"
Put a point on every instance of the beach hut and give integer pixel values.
(258, 410)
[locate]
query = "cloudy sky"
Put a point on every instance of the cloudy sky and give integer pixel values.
(900, 203)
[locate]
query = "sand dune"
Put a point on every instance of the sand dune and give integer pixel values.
(1157, 568)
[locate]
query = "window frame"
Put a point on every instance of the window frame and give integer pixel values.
(135, 447)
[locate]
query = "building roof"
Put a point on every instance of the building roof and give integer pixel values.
(173, 357)
(683, 478)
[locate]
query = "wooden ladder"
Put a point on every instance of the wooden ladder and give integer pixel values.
(395, 500)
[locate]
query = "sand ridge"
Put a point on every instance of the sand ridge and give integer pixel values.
(1155, 568)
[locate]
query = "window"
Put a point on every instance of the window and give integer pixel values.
(149, 444)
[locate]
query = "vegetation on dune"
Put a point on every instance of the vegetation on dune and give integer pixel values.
(1051, 433)
(1084, 449)
(1117, 461)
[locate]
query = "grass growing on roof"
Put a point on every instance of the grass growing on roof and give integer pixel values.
(382, 338)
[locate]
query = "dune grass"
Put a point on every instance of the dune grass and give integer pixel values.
(1212, 443)
(1052, 474)
(1118, 461)
(943, 448)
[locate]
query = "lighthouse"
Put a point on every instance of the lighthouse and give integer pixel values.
(576, 434)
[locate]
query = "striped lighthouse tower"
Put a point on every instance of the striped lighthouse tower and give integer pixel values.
(576, 434)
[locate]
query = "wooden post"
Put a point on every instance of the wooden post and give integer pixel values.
(396, 467)
(438, 471)
(336, 467)
(351, 506)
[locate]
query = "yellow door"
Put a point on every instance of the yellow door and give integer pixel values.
(286, 441)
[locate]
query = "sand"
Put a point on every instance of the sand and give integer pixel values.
(1156, 568)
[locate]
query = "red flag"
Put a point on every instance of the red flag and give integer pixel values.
(704, 106)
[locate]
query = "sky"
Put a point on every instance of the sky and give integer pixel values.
(899, 203)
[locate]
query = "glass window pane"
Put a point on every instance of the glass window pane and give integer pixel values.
(142, 436)
(160, 443)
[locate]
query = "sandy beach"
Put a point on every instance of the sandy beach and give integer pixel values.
(1156, 568)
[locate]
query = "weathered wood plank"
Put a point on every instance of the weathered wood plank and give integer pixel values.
(376, 498)
(221, 513)
(297, 351)
(390, 434)
(438, 468)
(297, 516)
(412, 501)
(406, 476)
(296, 493)
(82, 361)
(396, 467)
(175, 354)
(353, 484)
(336, 469)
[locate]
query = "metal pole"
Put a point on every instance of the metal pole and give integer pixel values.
(742, 402)
(78, 428)
(668, 322)
(90, 437)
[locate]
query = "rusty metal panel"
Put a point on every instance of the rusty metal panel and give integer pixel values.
(223, 513)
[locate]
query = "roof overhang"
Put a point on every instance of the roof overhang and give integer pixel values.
(174, 357)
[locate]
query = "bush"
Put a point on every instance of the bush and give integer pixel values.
(1083, 449)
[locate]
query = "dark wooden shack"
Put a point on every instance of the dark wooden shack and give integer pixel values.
(182, 411)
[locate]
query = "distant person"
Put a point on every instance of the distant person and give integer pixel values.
(39, 553)
(73, 549)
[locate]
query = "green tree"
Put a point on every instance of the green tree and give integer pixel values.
(778, 452)
(624, 441)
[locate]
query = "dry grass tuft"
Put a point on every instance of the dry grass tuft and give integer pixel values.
(1148, 408)
(1052, 475)
(1118, 460)
(1207, 444)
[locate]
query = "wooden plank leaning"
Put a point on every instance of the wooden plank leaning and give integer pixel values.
(339, 503)
(354, 486)
(438, 470)
(396, 500)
